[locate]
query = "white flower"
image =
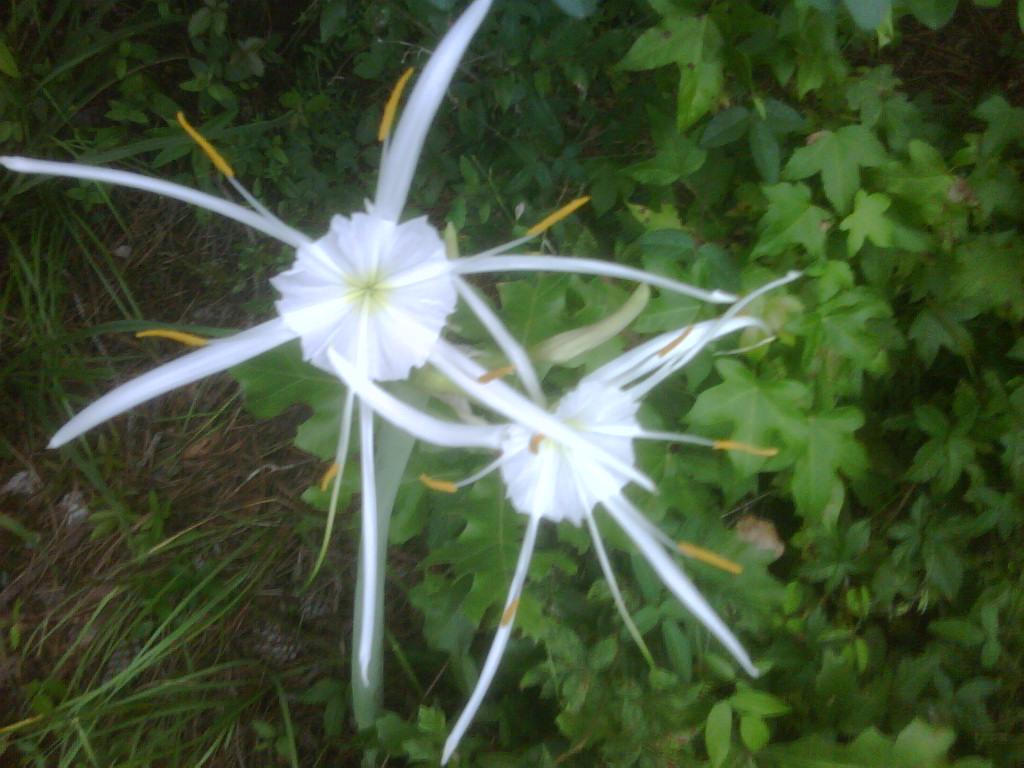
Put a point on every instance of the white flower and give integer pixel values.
(582, 458)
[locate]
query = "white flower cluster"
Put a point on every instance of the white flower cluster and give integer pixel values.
(369, 302)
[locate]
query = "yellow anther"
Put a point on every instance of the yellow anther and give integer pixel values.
(497, 373)
(215, 157)
(510, 613)
(535, 442)
(753, 450)
(330, 474)
(444, 486)
(557, 216)
(188, 339)
(675, 342)
(391, 108)
(709, 557)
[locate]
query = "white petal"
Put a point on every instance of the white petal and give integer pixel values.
(580, 266)
(366, 600)
(399, 160)
(217, 356)
(506, 342)
(674, 578)
(512, 405)
(498, 645)
(286, 235)
(417, 423)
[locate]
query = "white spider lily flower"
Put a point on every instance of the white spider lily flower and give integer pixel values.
(374, 292)
(581, 459)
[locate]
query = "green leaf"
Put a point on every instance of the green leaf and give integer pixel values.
(659, 46)
(748, 701)
(754, 732)
(279, 379)
(1005, 124)
(727, 126)
(868, 14)
(922, 745)
(8, 65)
(765, 151)
(578, 9)
(791, 220)
(678, 648)
(868, 222)
(759, 412)
(924, 182)
(934, 14)
(838, 156)
(701, 72)
(829, 450)
(718, 733)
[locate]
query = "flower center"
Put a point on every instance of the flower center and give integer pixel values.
(372, 291)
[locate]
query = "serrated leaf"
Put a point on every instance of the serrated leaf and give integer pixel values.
(279, 379)
(838, 157)
(868, 222)
(791, 220)
(727, 126)
(924, 182)
(829, 451)
(761, 413)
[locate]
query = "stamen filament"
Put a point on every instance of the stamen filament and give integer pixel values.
(188, 339)
(497, 373)
(565, 211)
(444, 486)
(709, 557)
(391, 107)
(753, 450)
(216, 157)
(535, 442)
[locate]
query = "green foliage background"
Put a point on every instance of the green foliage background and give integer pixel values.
(723, 143)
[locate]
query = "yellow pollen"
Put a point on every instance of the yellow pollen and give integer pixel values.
(215, 157)
(535, 442)
(497, 373)
(444, 486)
(557, 216)
(510, 613)
(706, 556)
(330, 474)
(188, 339)
(753, 450)
(675, 342)
(391, 108)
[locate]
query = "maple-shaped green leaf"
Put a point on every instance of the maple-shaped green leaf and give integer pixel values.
(924, 182)
(701, 74)
(827, 452)
(791, 220)
(868, 222)
(759, 413)
(1005, 124)
(989, 274)
(838, 156)
(280, 378)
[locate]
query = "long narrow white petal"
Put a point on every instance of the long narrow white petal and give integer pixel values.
(398, 163)
(513, 350)
(340, 459)
(217, 356)
(512, 405)
(672, 575)
(499, 643)
(581, 266)
(613, 586)
(412, 420)
(367, 600)
(271, 227)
